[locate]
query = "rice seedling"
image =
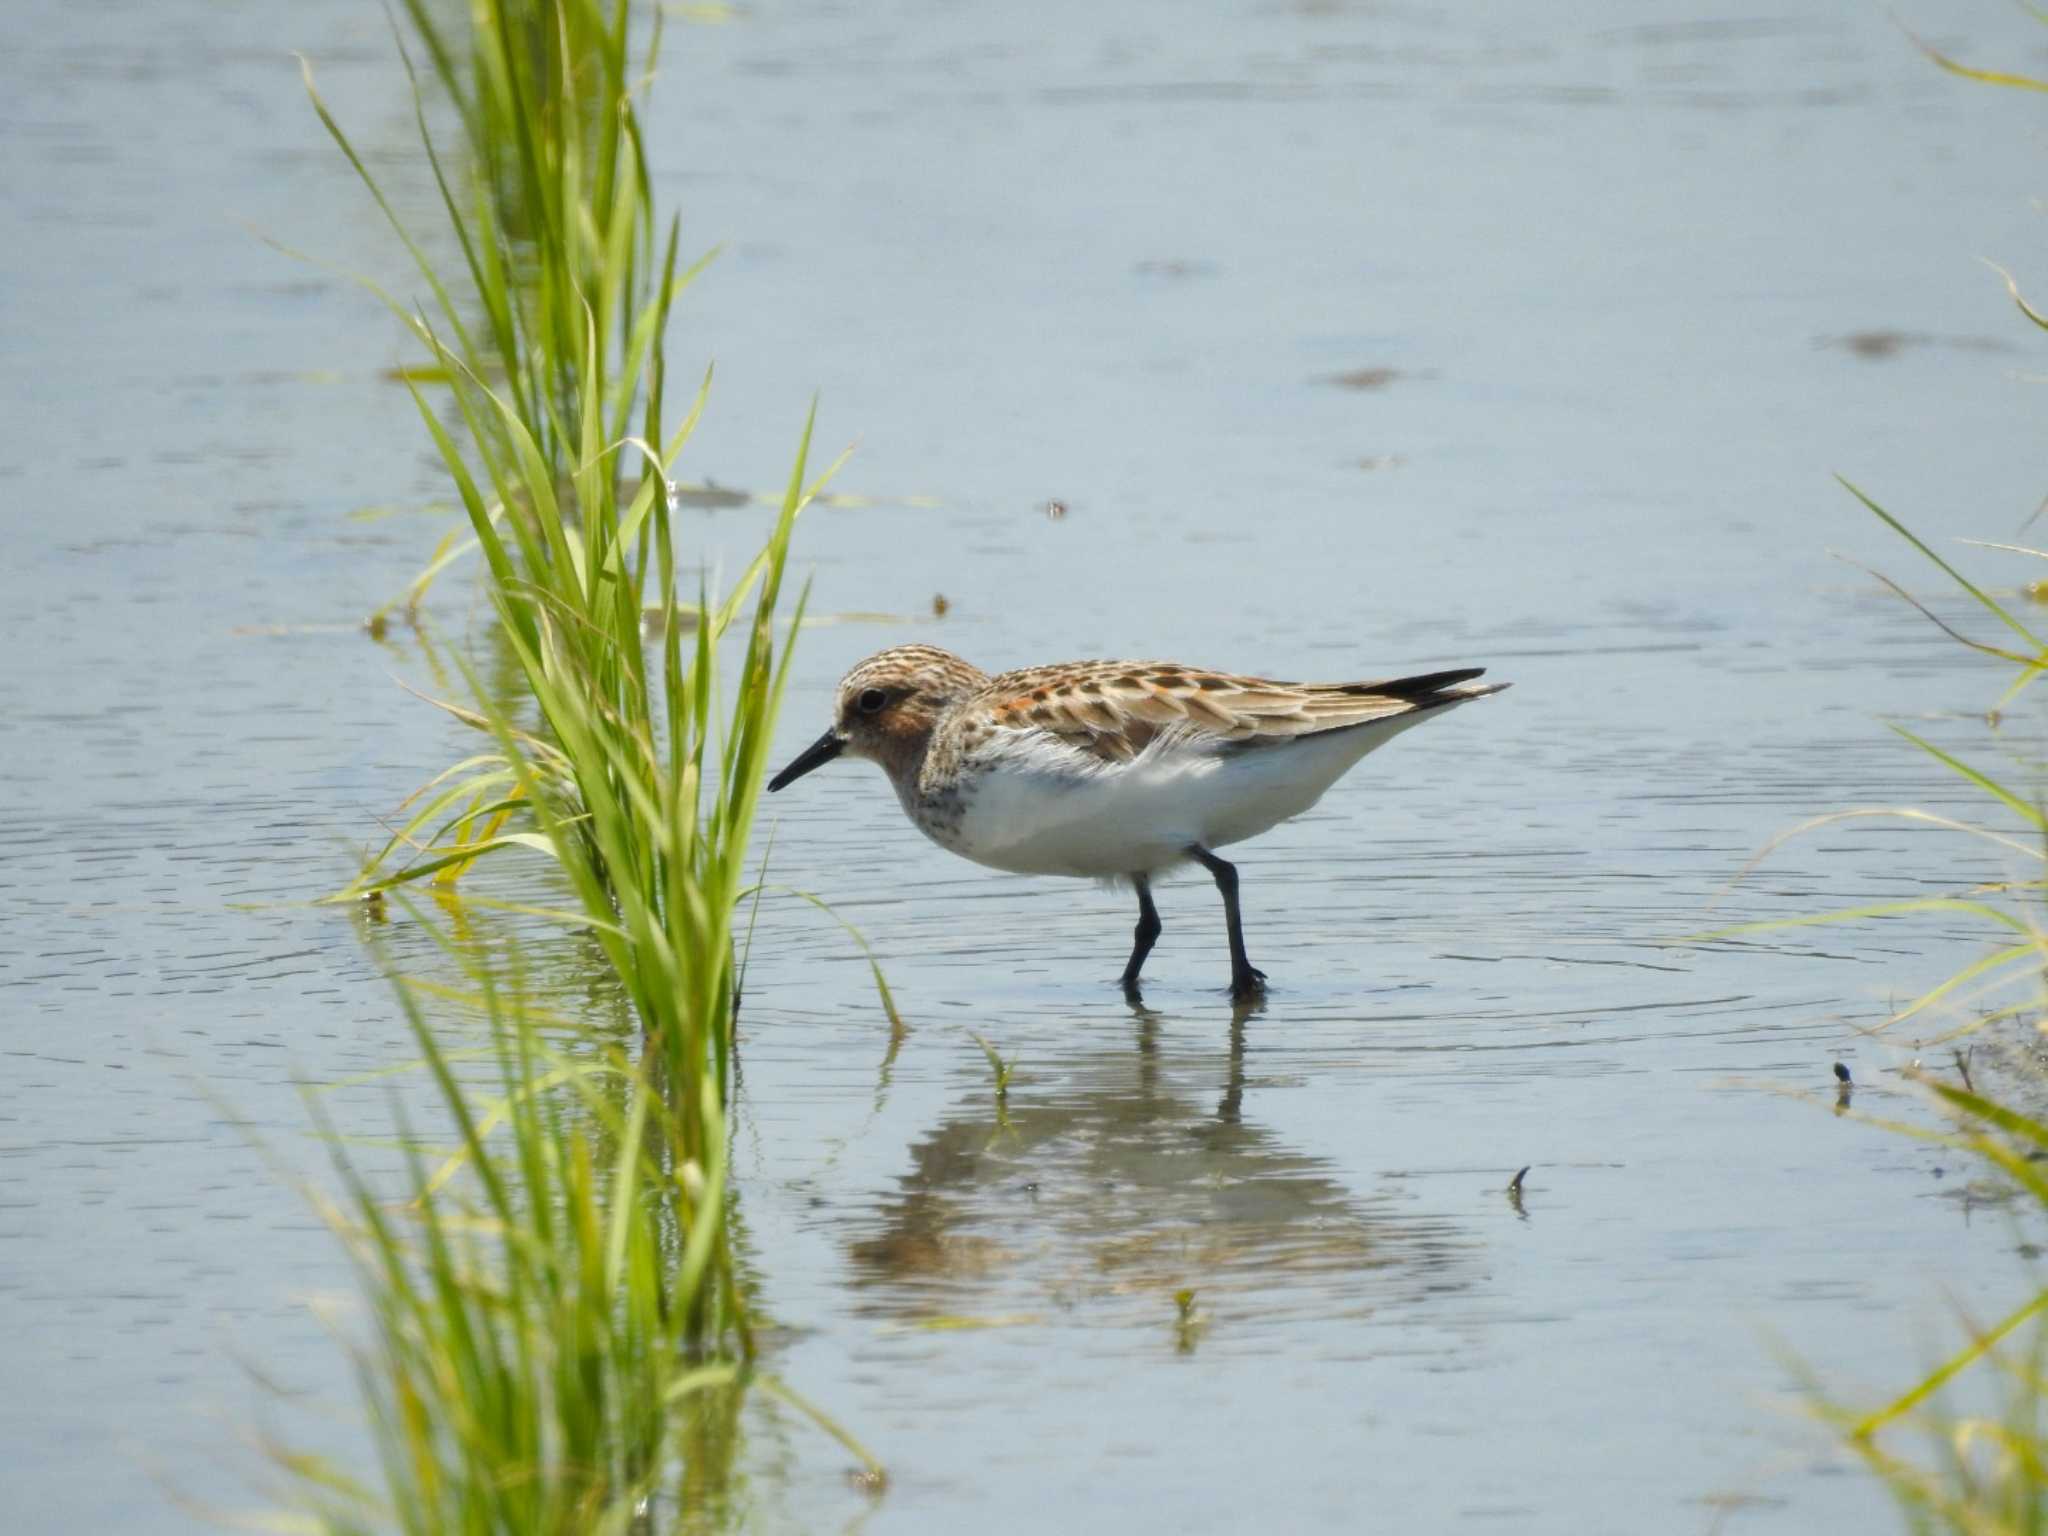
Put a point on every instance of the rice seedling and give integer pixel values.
(563, 1286)
(2013, 825)
(629, 778)
(999, 1071)
(1189, 1321)
(1985, 1474)
(527, 1365)
(1982, 1472)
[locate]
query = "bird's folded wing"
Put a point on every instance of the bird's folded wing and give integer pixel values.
(1114, 710)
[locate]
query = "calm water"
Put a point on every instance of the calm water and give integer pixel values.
(1352, 338)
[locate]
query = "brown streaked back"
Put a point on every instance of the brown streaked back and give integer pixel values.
(1115, 709)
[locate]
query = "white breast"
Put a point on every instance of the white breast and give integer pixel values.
(1035, 805)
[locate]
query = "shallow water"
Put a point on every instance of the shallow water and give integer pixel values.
(1350, 339)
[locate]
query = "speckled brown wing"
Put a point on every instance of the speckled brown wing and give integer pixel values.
(1114, 709)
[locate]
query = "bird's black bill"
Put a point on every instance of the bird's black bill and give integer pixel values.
(816, 755)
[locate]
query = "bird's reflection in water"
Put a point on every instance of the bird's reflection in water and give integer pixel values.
(1115, 1178)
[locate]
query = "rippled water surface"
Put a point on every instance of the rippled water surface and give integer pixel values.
(1350, 339)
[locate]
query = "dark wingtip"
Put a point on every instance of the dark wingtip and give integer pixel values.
(1420, 686)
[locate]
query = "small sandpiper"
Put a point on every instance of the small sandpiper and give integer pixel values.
(1113, 770)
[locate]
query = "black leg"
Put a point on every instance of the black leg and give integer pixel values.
(1147, 934)
(1245, 982)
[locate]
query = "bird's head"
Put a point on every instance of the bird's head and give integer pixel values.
(886, 710)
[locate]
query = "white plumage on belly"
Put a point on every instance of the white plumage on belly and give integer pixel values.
(1035, 805)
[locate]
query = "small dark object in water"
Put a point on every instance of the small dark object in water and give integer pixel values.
(376, 625)
(1055, 510)
(1364, 378)
(1515, 1184)
(1877, 345)
(711, 496)
(941, 605)
(1842, 1072)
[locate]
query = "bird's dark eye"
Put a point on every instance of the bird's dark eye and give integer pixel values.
(871, 701)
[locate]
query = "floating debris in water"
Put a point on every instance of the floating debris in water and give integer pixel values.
(654, 621)
(860, 616)
(376, 625)
(1875, 346)
(710, 495)
(1872, 344)
(870, 1480)
(278, 631)
(947, 1322)
(713, 497)
(1364, 378)
(941, 605)
(417, 373)
(1382, 461)
(1055, 510)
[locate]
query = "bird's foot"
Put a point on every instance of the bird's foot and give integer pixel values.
(1247, 985)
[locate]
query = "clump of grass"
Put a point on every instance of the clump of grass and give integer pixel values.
(1986, 1475)
(528, 1366)
(565, 284)
(559, 1289)
(2012, 823)
(522, 1368)
(630, 778)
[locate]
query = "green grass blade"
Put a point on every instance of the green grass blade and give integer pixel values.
(2032, 814)
(1990, 603)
